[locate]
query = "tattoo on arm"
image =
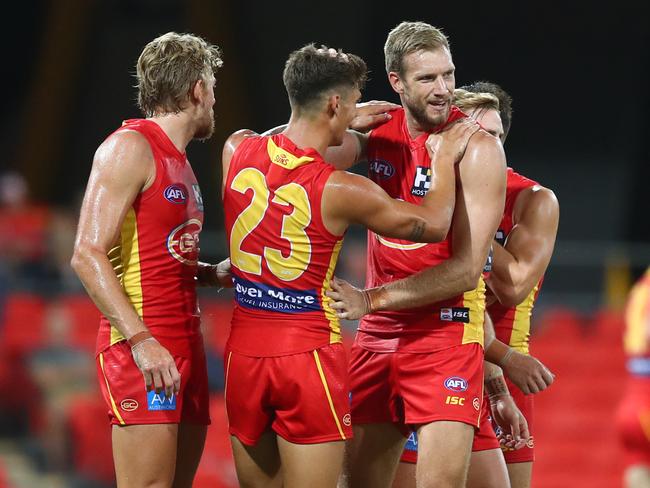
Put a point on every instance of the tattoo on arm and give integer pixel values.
(416, 233)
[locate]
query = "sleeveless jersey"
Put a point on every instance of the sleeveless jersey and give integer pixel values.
(282, 255)
(512, 324)
(402, 167)
(156, 256)
(636, 340)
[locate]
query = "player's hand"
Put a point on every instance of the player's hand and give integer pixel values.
(157, 366)
(512, 424)
(348, 301)
(528, 373)
(217, 275)
(372, 114)
(453, 141)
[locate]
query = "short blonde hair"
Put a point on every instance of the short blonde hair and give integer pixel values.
(168, 68)
(466, 100)
(409, 37)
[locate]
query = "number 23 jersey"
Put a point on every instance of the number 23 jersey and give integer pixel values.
(282, 255)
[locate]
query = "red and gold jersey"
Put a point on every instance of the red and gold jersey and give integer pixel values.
(402, 167)
(512, 324)
(636, 340)
(156, 256)
(282, 255)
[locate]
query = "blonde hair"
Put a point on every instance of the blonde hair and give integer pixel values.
(168, 68)
(466, 100)
(409, 37)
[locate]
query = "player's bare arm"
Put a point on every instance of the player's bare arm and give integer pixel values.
(516, 269)
(519, 266)
(373, 208)
(479, 207)
(369, 115)
(229, 148)
(123, 166)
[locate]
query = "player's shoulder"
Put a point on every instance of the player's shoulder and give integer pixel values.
(537, 196)
(484, 149)
(123, 146)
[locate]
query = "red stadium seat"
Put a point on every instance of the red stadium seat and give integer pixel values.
(22, 324)
(216, 316)
(85, 320)
(90, 436)
(217, 469)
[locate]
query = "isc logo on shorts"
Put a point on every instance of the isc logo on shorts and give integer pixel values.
(456, 314)
(455, 400)
(158, 401)
(456, 383)
(422, 181)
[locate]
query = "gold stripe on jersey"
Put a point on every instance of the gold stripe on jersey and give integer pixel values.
(108, 389)
(327, 393)
(125, 259)
(637, 316)
(520, 335)
(284, 158)
(330, 314)
(395, 245)
(474, 300)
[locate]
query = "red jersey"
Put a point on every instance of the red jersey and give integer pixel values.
(156, 256)
(636, 340)
(282, 255)
(402, 167)
(512, 324)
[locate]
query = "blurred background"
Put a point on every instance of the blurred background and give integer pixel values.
(579, 77)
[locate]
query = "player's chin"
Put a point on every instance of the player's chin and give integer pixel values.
(205, 132)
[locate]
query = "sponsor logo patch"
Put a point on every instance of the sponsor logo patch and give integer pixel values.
(176, 193)
(500, 237)
(158, 401)
(383, 169)
(412, 442)
(258, 296)
(129, 405)
(455, 400)
(455, 314)
(183, 242)
(197, 197)
(456, 383)
(421, 181)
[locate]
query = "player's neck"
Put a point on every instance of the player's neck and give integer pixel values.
(177, 128)
(308, 132)
(414, 127)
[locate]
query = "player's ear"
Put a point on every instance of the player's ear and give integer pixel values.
(333, 104)
(396, 82)
(198, 90)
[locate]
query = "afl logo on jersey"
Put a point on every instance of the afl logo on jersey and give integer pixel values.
(175, 193)
(383, 169)
(183, 242)
(456, 383)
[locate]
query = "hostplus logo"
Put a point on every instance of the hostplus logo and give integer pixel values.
(421, 181)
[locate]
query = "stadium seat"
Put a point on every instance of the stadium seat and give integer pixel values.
(85, 320)
(22, 324)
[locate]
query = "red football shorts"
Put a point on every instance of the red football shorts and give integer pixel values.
(484, 437)
(412, 389)
(122, 386)
(525, 403)
(304, 397)
(633, 423)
